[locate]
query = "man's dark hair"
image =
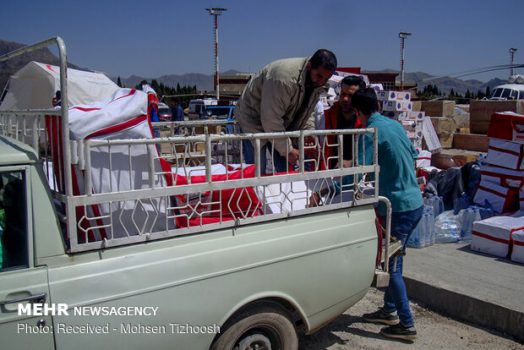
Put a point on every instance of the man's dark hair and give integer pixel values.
(352, 80)
(324, 58)
(365, 101)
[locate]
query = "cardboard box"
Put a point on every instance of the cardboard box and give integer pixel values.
(480, 113)
(430, 136)
(423, 159)
(438, 108)
(446, 139)
(507, 126)
(493, 235)
(501, 198)
(470, 142)
(395, 115)
(413, 115)
(506, 154)
(461, 118)
(165, 148)
(397, 106)
(503, 176)
(517, 253)
(394, 96)
(448, 158)
(443, 125)
(521, 199)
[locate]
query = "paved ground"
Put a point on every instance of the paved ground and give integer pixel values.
(350, 331)
(449, 266)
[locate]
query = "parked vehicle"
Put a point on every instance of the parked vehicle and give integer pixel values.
(220, 112)
(126, 247)
(514, 90)
(164, 112)
(197, 107)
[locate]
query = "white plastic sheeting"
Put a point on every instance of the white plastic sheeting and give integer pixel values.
(35, 85)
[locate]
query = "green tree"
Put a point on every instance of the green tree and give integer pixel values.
(119, 82)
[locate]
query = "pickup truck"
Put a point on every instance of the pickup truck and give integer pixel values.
(203, 261)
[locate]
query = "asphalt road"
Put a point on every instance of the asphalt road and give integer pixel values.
(350, 331)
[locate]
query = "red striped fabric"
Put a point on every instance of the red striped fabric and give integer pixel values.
(491, 238)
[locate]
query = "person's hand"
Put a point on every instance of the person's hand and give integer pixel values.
(293, 156)
(311, 147)
(314, 200)
(347, 163)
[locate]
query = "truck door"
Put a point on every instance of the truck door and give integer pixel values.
(21, 283)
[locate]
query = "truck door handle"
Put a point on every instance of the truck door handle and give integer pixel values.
(38, 298)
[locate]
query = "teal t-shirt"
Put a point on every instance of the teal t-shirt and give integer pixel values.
(396, 157)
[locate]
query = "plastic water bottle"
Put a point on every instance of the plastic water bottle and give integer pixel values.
(429, 223)
(416, 238)
(437, 203)
(469, 216)
(447, 227)
(424, 233)
(438, 207)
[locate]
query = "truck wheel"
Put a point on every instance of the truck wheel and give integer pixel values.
(261, 328)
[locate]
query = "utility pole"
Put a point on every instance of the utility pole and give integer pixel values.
(402, 36)
(215, 12)
(511, 55)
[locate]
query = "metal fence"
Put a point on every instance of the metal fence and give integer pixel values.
(193, 178)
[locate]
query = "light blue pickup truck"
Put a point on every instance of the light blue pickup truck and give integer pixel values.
(206, 260)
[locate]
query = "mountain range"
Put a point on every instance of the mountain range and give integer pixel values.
(11, 66)
(204, 82)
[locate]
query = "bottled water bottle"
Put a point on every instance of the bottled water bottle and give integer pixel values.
(424, 233)
(468, 216)
(447, 227)
(416, 238)
(437, 204)
(429, 224)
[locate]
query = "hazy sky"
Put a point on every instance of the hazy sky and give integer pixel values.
(151, 38)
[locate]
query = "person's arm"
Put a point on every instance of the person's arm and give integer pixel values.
(365, 150)
(316, 197)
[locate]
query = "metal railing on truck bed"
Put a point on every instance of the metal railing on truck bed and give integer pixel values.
(114, 192)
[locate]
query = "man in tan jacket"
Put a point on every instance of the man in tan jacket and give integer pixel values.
(282, 97)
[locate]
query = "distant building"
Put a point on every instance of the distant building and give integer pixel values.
(233, 85)
(386, 79)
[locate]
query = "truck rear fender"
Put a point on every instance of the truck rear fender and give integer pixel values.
(282, 300)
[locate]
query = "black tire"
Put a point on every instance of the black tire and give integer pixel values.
(259, 325)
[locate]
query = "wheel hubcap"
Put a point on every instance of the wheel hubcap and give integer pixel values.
(255, 342)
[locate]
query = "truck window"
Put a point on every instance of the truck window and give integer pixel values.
(505, 93)
(13, 224)
(497, 92)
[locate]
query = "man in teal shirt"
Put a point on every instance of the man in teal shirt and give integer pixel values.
(397, 182)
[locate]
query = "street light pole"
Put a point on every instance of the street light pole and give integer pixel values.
(215, 12)
(402, 36)
(511, 54)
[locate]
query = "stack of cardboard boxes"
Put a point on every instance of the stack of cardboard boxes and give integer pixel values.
(441, 113)
(450, 123)
(502, 186)
(398, 105)
(503, 175)
(502, 236)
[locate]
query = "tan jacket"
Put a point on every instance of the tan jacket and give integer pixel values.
(271, 100)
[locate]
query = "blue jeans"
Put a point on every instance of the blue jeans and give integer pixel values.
(249, 157)
(396, 298)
